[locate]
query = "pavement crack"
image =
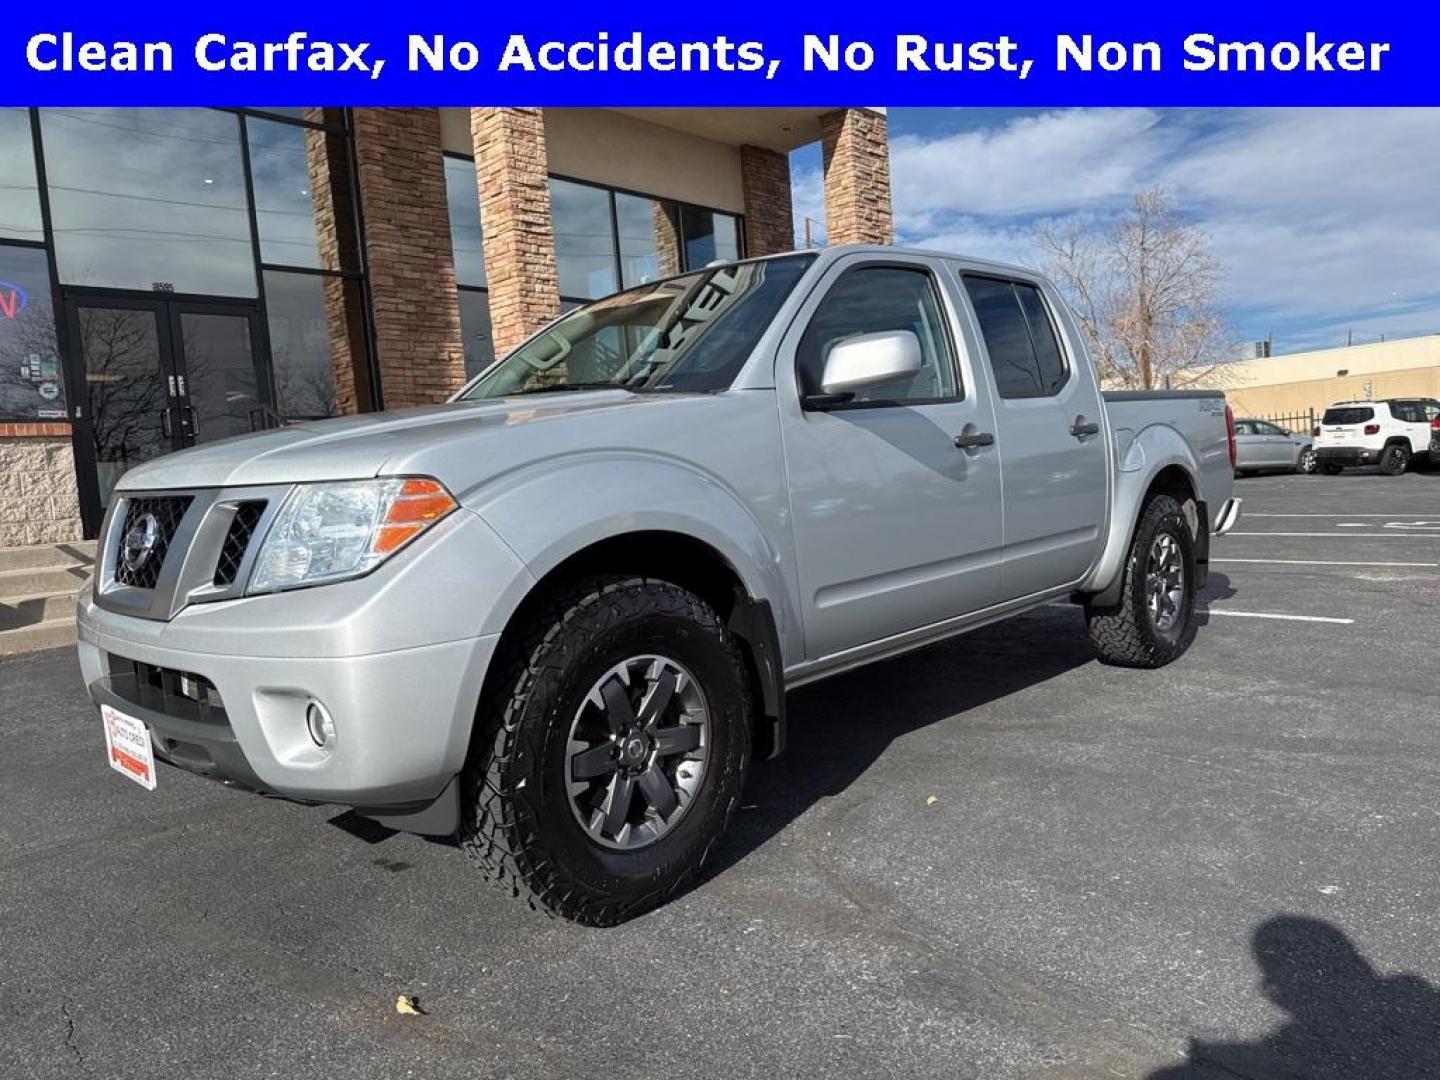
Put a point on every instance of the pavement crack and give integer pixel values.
(70, 1042)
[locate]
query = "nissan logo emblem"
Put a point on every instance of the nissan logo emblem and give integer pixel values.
(139, 543)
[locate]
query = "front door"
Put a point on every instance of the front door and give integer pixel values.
(896, 526)
(155, 374)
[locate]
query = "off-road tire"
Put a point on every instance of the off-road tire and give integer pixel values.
(1125, 634)
(1329, 468)
(517, 825)
(1394, 459)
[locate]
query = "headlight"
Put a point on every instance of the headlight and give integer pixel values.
(328, 532)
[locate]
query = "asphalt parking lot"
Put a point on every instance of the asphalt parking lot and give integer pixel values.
(994, 858)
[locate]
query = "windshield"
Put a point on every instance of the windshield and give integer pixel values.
(690, 333)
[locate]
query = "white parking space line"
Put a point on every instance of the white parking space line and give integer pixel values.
(1324, 562)
(1336, 536)
(1248, 514)
(1275, 615)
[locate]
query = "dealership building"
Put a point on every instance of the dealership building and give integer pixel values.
(169, 277)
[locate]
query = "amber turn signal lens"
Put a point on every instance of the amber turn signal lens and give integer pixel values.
(419, 504)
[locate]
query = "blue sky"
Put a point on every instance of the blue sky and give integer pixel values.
(1324, 219)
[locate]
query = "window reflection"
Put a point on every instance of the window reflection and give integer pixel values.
(475, 331)
(584, 239)
(31, 386)
(466, 233)
(649, 238)
(709, 236)
(124, 388)
(284, 207)
(144, 198)
(317, 344)
(19, 190)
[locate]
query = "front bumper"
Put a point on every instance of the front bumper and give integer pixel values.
(1347, 455)
(397, 659)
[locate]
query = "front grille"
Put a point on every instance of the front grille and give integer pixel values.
(180, 694)
(142, 571)
(237, 539)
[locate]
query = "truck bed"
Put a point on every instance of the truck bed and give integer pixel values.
(1197, 415)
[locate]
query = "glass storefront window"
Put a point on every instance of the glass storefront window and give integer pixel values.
(149, 199)
(19, 188)
(649, 238)
(709, 236)
(280, 170)
(31, 384)
(317, 344)
(467, 236)
(584, 239)
(475, 331)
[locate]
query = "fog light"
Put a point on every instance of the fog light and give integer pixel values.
(322, 728)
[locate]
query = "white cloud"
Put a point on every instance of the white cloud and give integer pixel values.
(1322, 218)
(1044, 164)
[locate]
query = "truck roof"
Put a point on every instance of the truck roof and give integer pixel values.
(896, 249)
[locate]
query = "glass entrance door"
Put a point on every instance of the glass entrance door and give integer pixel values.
(154, 375)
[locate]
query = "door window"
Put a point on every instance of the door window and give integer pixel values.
(873, 299)
(126, 398)
(1025, 354)
(219, 372)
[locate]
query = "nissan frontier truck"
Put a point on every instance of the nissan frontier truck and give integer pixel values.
(556, 617)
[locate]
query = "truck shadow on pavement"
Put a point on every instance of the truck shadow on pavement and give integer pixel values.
(1346, 1019)
(837, 729)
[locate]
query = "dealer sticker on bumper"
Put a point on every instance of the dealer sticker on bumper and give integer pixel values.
(127, 747)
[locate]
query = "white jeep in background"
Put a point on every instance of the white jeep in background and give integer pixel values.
(1390, 434)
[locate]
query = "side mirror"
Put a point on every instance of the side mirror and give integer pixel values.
(867, 360)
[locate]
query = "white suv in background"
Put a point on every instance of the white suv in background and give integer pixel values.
(1388, 433)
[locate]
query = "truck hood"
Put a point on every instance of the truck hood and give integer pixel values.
(392, 443)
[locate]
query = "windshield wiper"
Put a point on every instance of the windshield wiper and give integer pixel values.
(565, 387)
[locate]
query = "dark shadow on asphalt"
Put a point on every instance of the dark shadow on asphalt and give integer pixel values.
(838, 728)
(1346, 1022)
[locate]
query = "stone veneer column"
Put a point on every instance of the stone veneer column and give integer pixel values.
(38, 499)
(769, 218)
(416, 307)
(856, 148)
(512, 172)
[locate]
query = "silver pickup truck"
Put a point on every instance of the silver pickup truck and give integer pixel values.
(557, 616)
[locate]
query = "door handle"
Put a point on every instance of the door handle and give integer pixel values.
(974, 439)
(165, 426)
(1082, 427)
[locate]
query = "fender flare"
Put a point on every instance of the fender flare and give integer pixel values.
(547, 515)
(1141, 459)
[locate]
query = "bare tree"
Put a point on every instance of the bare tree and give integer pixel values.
(1143, 289)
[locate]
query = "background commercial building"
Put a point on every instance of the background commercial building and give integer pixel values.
(1293, 388)
(173, 276)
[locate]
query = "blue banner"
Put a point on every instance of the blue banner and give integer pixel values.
(569, 53)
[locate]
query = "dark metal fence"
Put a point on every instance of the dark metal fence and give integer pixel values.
(1298, 423)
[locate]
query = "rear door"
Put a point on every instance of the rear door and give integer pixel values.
(1049, 427)
(1410, 415)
